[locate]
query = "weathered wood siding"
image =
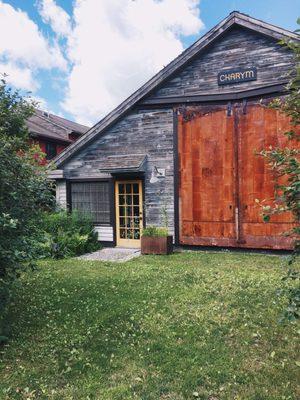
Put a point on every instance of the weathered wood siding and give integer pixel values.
(148, 132)
(105, 233)
(61, 194)
(237, 48)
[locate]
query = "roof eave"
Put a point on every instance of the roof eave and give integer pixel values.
(37, 135)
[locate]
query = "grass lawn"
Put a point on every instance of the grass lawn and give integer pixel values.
(194, 325)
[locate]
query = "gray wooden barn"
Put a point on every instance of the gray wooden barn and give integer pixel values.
(183, 145)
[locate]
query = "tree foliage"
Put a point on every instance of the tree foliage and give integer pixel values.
(24, 189)
(285, 163)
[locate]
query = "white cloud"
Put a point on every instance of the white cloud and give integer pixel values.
(41, 103)
(104, 51)
(55, 16)
(21, 78)
(116, 45)
(21, 42)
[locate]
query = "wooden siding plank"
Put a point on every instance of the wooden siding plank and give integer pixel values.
(61, 194)
(238, 48)
(144, 132)
(105, 233)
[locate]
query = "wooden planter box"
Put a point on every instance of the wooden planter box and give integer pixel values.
(156, 245)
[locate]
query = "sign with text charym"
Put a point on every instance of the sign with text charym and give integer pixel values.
(237, 75)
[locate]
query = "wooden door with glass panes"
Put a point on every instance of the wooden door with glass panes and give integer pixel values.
(129, 213)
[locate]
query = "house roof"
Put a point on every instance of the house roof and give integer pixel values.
(234, 18)
(50, 126)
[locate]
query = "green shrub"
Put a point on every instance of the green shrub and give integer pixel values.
(154, 231)
(65, 234)
(24, 192)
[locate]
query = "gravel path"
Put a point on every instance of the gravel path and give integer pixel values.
(114, 254)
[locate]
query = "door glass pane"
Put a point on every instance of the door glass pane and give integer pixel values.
(128, 211)
(129, 199)
(122, 222)
(136, 222)
(123, 233)
(122, 211)
(129, 234)
(121, 199)
(136, 200)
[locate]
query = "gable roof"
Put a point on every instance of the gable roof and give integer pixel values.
(234, 18)
(50, 126)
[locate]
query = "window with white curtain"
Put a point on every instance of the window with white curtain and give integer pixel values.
(93, 199)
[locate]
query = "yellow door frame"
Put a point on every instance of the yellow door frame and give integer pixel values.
(121, 242)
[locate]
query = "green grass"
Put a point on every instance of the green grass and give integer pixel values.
(191, 325)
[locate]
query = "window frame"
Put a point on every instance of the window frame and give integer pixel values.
(48, 143)
(111, 197)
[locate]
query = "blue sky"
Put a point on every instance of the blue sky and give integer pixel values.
(81, 58)
(282, 13)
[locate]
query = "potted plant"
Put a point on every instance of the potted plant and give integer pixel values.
(156, 240)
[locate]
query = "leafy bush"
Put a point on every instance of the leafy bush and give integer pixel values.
(285, 163)
(24, 192)
(66, 234)
(154, 231)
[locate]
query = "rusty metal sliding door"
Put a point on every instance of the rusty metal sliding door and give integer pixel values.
(221, 175)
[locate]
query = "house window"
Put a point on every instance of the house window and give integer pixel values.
(51, 150)
(93, 199)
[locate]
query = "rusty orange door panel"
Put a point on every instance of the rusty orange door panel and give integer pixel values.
(206, 177)
(220, 176)
(259, 128)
